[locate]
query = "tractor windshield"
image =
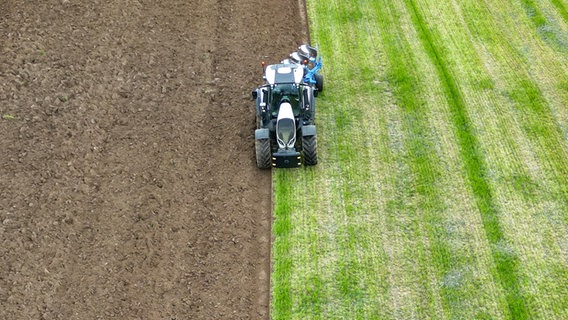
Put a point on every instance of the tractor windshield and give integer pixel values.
(286, 92)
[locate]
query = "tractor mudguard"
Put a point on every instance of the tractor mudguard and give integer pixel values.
(260, 134)
(308, 130)
(260, 94)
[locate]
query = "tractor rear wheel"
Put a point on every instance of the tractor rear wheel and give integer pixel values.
(319, 82)
(262, 147)
(310, 147)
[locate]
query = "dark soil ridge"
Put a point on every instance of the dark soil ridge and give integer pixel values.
(127, 175)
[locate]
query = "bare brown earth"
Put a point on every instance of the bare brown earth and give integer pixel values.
(128, 188)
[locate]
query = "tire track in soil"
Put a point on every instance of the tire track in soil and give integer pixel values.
(129, 188)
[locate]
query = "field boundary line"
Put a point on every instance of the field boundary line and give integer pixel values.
(281, 223)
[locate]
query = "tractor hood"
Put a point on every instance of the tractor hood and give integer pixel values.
(284, 73)
(286, 127)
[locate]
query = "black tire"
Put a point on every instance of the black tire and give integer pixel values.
(263, 151)
(310, 146)
(319, 82)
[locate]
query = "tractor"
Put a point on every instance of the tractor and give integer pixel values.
(285, 111)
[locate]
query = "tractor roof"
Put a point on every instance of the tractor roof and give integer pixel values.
(284, 73)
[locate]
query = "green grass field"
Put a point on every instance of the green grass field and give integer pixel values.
(442, 188)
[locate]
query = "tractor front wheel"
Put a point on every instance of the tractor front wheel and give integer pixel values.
(262, 147)
(310, 147)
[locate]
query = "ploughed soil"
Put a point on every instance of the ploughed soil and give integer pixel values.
(128, 186)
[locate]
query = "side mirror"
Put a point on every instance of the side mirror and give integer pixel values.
(254, 94)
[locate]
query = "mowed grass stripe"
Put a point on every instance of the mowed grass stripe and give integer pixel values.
(307, 285)
(534, 90)
(465, 234)
(340, 262)
(405, 270)
(420, 197)
(561, 9)
(479, 91)
(342, 279)
(468, 246)
(409, 293)
(488, 119)
(521, 81)
(475, 168)
(281, 247)
(352, 214)
(547, 28)
(419, 201)
(403, 211)
(519, 168)
(536, 202)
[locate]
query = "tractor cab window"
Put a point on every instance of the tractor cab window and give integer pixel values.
(285, 92)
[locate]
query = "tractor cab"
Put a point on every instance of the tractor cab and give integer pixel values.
(284, 80)
(284, 85)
